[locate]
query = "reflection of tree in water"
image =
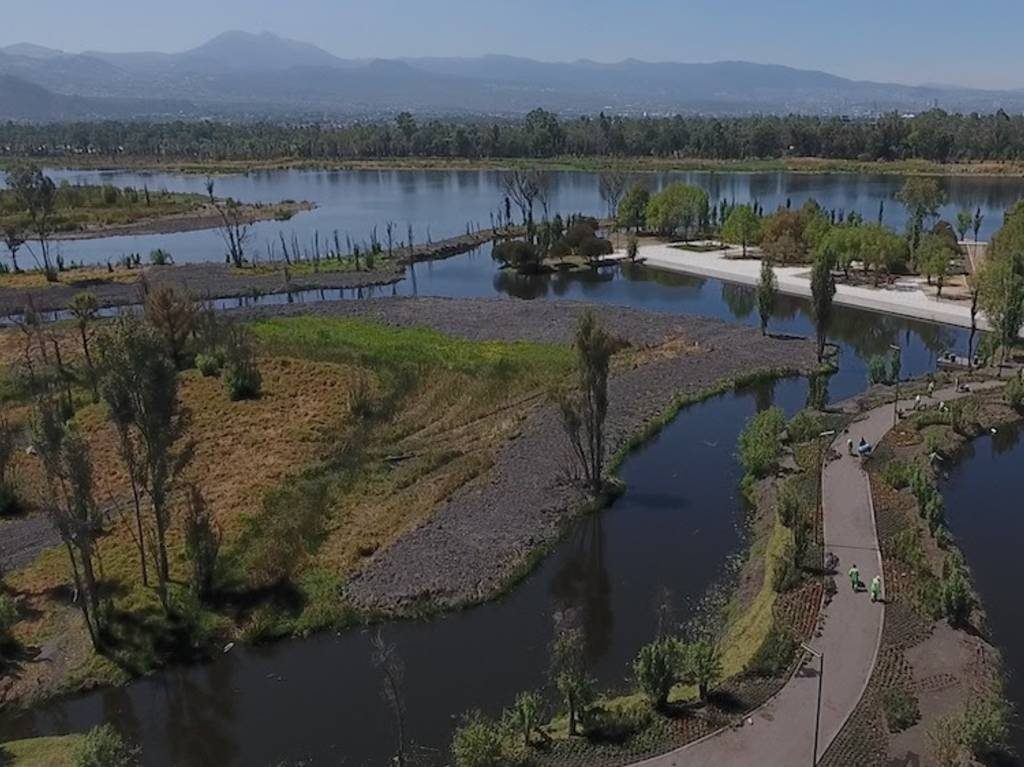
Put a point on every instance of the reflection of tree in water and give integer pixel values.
(641, 273)
(788, 307)
(581, 589)
(740, 299)
(532, 286)
(200, 717)
(870, 334)
(764, 393)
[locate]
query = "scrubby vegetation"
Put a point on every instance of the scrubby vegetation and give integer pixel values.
(236, 508)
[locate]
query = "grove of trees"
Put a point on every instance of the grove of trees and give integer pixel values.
(935, 135)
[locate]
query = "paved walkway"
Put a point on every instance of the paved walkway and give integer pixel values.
(781, 732)
(906, 297)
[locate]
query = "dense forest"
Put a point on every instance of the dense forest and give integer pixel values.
(935, 135)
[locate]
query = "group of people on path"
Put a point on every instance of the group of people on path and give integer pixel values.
(876, 584)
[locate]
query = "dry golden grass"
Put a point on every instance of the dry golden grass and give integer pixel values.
(81, 277)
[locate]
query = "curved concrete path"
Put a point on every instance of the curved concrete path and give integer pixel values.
(781, 732)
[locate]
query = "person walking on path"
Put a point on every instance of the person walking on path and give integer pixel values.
(876, 588)
(855, 578)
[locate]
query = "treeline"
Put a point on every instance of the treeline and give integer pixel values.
(934, 135)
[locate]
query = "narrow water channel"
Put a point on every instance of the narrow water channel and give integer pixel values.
(989, 527)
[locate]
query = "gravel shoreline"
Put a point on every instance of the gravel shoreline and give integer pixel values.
(482, 537)
(480, 540)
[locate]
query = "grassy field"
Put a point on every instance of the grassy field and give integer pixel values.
(790, 164)
(360, 432)
(39, 752)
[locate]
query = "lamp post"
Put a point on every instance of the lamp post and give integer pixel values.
(817, 713)
(896, 365)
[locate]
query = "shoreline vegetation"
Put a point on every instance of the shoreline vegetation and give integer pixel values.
(638, 164)
(932, 141)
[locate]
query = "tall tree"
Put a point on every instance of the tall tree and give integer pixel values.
(922, 197)
(964, 222)
(1001, 295)
(71, 504)
(934, 257)
(38, 196)
(632, 212)
(570, 677)
(143, 396)
(741, 225)
(13, 234)
(767, 292)
(823, 290)
(583, 416)
(85, 308)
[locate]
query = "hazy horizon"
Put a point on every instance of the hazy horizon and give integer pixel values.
(900, 43)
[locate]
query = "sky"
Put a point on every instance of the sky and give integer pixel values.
(905, 41)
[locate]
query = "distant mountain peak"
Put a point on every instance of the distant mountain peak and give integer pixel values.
(263, 50)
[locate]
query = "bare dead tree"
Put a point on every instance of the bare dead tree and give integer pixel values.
(521, 189)
(612, 185)
(388, 662)
(13, 237)
(389, 232)
(234, 226)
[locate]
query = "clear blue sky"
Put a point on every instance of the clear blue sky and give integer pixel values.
(910, 41)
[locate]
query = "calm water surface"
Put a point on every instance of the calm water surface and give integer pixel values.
(676, 527)
(989, 528)
(441, 203)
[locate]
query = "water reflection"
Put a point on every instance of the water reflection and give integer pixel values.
(352, 202)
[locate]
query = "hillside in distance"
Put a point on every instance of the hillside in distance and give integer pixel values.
(243, 75)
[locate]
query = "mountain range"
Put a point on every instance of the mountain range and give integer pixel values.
(262, 76)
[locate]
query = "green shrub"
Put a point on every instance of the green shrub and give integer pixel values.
(210, 364)
(760, 444)
(984, 727)
(1014, 394)
(103, 746)
(775, 655)
(788, 505)
(241, 374)
(656, 669)
(803, 427)
(896, 474)
(619, 724)
(955, 593)
(901, 709)
(878, 370)
(478, 742)
(160, 257)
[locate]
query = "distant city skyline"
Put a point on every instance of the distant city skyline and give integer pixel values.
(911, 41)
